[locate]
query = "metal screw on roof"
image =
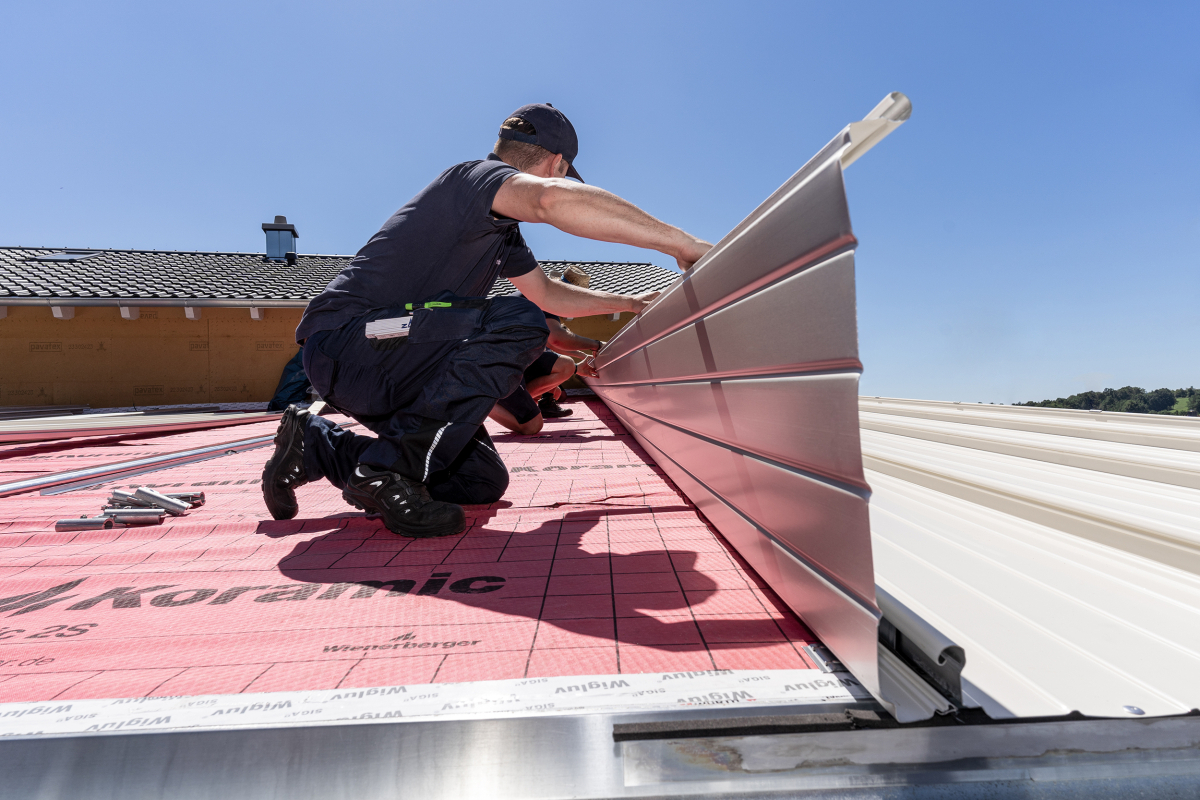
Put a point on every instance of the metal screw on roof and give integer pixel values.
(1134, 710)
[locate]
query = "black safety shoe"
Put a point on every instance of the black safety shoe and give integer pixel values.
(405, 505)
(285, 468)
(551, 409)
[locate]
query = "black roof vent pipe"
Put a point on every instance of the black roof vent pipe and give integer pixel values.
(281, 240)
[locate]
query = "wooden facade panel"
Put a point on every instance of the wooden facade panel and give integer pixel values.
(162, 358)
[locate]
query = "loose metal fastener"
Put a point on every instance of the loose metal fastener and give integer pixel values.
(153, 499)
(134, 513)
(84, 524)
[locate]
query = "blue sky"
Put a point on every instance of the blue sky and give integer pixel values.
(1032, 231)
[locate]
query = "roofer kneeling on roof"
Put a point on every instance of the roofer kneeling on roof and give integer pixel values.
(427, 394)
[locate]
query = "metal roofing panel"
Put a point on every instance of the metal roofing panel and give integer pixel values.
(805, 421)
(773, 458)
(812, 329)
(1070, 588)
(1159, 464)
(1180, 433)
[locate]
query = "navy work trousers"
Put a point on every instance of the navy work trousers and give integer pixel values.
(425, 395)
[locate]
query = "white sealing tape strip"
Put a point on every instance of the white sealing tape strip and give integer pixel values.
(434, 701)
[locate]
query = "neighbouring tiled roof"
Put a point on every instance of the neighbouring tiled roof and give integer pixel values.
(122, 275)
(607, 276)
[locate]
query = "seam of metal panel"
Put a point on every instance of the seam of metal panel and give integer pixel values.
(1057, 414)
(816, 570)
(813, 258)
(841, 366)
(1142, 543)
(1172, 434)
(795, 183)
(1064, 450)
(862, 492)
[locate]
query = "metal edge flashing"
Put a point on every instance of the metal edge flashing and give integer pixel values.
(844, 623)
(536, 759)
(803, 225)
(809, 471)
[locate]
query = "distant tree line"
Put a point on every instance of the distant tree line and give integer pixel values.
(1131, 399)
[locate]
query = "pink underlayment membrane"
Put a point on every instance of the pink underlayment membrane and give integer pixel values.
(593, 564)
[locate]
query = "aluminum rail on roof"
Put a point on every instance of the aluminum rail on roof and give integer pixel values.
(761, 431)
(62, 482)
(127, 424)
(1060, 549)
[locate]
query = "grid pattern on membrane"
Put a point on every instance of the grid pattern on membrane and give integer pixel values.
(593, 563)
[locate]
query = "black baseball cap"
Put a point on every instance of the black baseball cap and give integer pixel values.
(554, 133)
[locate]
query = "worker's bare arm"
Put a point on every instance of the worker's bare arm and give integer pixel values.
(562, 340)
(593, 213)
(572, 301)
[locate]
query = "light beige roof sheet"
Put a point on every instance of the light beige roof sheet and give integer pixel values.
(1060, 549)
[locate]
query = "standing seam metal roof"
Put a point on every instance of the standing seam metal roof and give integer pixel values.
(1060, 549)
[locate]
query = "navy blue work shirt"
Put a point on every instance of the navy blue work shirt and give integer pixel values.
(444, 239)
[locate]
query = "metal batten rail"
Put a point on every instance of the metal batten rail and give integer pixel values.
(124, 423)
(62, 482)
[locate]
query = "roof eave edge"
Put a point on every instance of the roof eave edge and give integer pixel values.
(149, 302)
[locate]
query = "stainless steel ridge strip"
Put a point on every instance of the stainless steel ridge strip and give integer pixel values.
(837, 483)
(93, 475)
(816, 569)
(825, 252)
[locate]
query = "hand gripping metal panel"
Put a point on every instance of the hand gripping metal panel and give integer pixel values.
(741, 381)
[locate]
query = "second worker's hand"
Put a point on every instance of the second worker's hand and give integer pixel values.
(586, 369)
(640, 301)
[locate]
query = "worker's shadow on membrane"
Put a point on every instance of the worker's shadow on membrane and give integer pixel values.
(656, 618)
(349, 524)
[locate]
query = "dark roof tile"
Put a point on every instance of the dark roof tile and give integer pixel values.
(132, 274)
